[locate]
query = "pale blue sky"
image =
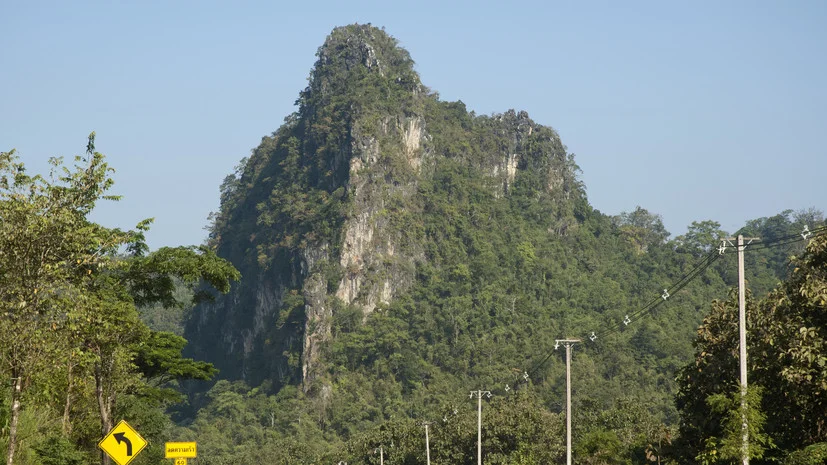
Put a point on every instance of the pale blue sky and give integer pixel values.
(693, 110)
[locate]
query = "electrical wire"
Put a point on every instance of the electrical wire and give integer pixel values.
(711, 257)
(699, 268)
(705, 263)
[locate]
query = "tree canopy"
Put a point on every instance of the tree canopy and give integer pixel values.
(71, 338)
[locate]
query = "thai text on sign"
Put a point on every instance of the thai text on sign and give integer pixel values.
(182, 450)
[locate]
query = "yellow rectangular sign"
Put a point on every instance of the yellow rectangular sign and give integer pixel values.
(180, 450)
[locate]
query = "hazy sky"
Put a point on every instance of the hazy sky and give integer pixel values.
(693, 110)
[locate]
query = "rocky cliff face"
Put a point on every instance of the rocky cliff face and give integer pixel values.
(320, 217)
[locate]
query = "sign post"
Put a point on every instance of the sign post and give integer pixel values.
(122, 443)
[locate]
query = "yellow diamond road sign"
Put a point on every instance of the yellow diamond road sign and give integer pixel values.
(122, 443)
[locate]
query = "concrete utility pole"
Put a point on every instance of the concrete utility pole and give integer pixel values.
(427, 444)
(742, 341)
(479, 394)
(381, 455)
(742, 338)
(568, 343)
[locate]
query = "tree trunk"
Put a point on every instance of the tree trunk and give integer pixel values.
(104, 406)
(17, 387)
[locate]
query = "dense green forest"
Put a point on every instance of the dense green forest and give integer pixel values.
(397, 252)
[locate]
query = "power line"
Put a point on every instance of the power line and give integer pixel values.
(651, 305)
(705, 262)
(699, 268)
(658, 301)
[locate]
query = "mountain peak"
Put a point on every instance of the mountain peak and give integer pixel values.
(357, 45)
(356, 56)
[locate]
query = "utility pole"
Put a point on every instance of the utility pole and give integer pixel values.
(742, 340)
(381, 455)
(479, 394)
(568, 343)
(427, 444)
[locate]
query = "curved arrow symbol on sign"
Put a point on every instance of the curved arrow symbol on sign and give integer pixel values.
(121, 438)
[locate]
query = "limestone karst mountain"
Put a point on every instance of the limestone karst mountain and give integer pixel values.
(327, 210)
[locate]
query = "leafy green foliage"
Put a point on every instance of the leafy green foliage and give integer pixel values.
(814, 454)
(729, 447)
(59, 451)
(71, 338)
(786, 358)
